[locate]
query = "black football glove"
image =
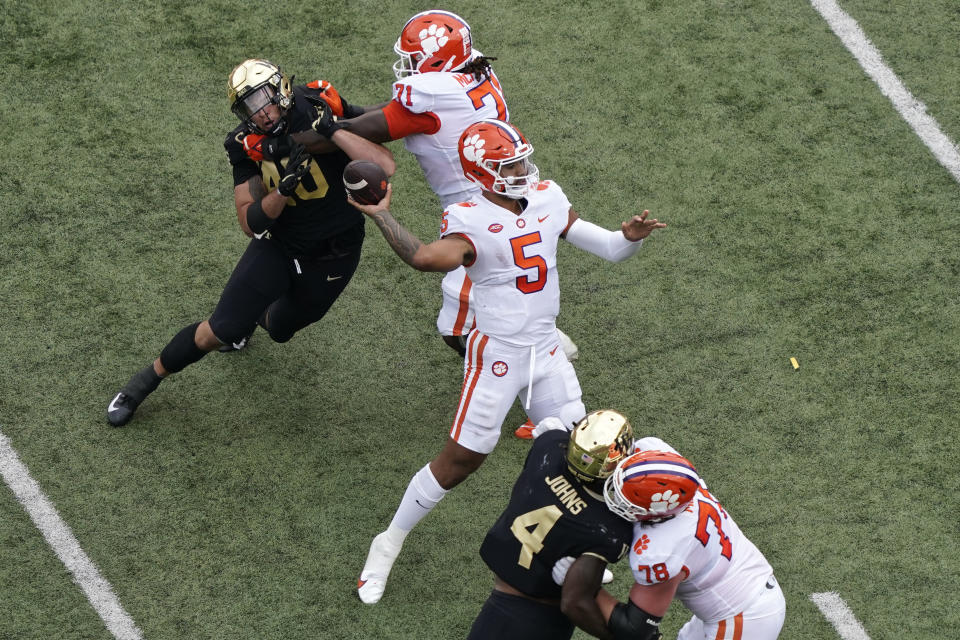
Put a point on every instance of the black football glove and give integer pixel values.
(277, 148)
(325, 124)
(297, 167)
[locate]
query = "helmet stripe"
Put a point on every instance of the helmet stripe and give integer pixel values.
(660, 465)
(506, 128)
(652, 468)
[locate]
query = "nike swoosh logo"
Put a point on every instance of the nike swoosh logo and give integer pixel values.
(554, 350)
(360, 583)
(332, 278)
(418, 502)
(543, 218)
(113, 404)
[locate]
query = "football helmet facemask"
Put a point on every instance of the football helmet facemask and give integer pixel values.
(597, 443)
(255, 84)
(650, 486)
(495, 155)
(432, 41)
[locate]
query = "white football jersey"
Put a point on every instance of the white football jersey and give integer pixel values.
(516, 289)
(457, 100)
(725, 570)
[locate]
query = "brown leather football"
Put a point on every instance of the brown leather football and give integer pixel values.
(365, 181)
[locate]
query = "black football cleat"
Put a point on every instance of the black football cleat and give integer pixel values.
(125, 403)
(235, 346)
(121, 409)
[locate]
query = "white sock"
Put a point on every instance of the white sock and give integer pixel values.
(422, 495)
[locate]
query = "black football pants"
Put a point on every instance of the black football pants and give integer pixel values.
(293, 292)
(508, 617)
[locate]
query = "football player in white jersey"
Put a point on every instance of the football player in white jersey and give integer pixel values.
(507, 240)
(443, 86)
(686, 546)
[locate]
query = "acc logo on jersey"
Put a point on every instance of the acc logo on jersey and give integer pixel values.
(521, 223)
(641, 544)
(499, 368)
(495, 228)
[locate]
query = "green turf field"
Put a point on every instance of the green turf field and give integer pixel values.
(806, 220)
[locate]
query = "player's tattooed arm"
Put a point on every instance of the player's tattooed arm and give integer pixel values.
(404, 243)
(257, 190)
(253, 201)
(445, 254)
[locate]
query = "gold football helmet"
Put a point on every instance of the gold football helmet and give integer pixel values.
(597, 443)
(253, 85)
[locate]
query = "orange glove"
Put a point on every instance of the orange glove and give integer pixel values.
(330, 95)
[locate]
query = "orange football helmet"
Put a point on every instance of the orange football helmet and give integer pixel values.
(487, 147)
(432, 41)
(650, 486)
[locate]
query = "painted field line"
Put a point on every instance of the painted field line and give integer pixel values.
(838, 613)
(61, 539)
(912, 110)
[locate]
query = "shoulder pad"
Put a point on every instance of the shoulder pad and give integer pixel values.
(656, 555)
(419, 93)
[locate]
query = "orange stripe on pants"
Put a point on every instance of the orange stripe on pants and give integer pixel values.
(470, 379)
(737, 628)
(464, 306)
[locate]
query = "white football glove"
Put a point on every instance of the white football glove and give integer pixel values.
(560, 569)
(548, 424)
(561, 566)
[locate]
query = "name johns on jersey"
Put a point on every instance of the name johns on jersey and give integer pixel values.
(567, 494)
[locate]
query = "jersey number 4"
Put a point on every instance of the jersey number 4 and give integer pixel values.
(531, 528)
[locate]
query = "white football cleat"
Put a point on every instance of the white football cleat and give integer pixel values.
(607, 576)
(373, 578)
(568, 345)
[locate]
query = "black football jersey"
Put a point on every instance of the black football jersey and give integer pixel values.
(318, 210)
(550, 515)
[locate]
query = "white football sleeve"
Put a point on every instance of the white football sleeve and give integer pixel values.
(609, 245)
(652, 443)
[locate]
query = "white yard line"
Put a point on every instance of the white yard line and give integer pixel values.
(838, 613)
(912, 110)
(61, 539)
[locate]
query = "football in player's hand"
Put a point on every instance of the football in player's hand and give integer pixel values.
(365, 181)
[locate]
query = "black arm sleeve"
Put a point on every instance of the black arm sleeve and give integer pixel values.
(257, 219)
(630, 622)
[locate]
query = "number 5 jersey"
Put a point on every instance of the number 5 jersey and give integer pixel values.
(516, 289)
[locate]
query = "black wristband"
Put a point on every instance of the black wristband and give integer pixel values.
(351, 111)
(257, 219)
